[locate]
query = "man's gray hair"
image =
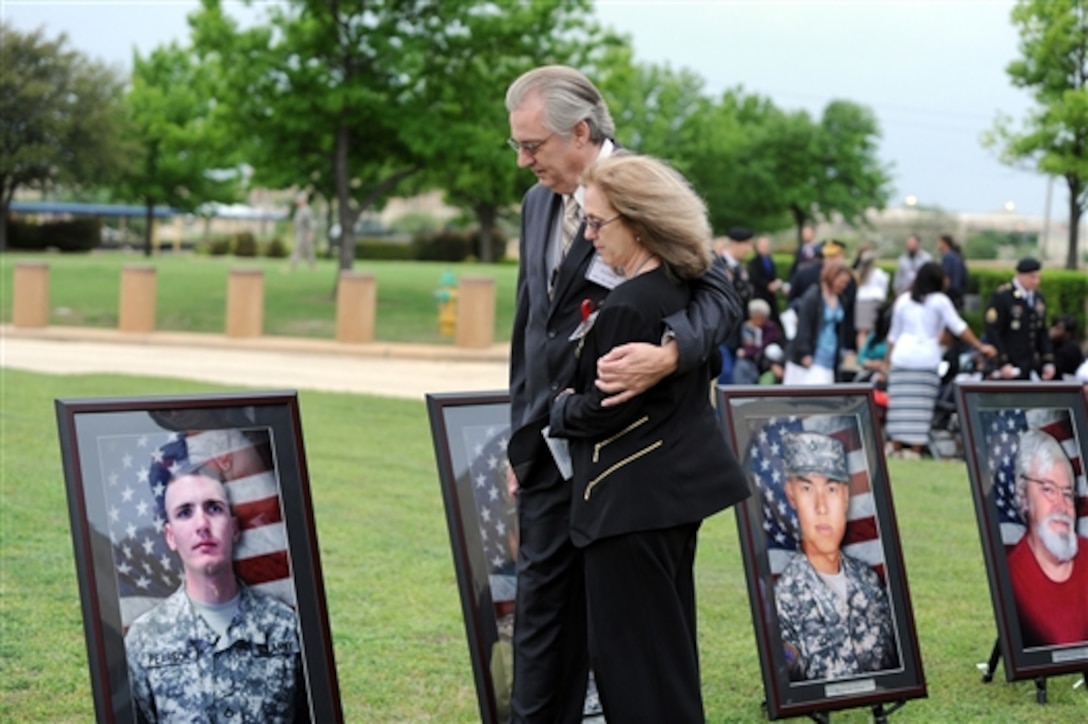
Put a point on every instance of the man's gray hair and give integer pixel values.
(1037, 451)
(569, 97)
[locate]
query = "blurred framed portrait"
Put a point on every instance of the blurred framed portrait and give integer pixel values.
(1026, 449)
(471, 432)
(197, 558)
(824, 568)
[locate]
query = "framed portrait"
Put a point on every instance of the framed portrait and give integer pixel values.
(1026, 450)
(197, 558)
(830, 605)
(471, 432)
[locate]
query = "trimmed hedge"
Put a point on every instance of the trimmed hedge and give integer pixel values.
(378, 250)
(77, 235)
(451, 245)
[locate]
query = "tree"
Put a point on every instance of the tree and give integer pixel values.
(331, 93)
(463, 148)
(721, 149)
(61, 119)
(650, 103)
(184, 152)
(849, 178)
(766, 168)
(1054, 68)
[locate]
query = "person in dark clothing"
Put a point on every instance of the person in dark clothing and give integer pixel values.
(644, 477)
(1016, 325)
(763, 276)
(955, 270)
(1068, 355)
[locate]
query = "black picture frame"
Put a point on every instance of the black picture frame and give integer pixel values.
(470, 432)
(994, 416)
(754, 418)
(112, 450)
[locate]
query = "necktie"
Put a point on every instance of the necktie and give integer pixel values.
(572, 219)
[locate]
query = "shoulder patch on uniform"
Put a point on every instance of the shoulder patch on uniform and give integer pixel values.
(991, 315)
(1005, 287)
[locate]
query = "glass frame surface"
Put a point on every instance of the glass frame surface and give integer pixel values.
(754, 418)
(1060, 410)
(109, 450)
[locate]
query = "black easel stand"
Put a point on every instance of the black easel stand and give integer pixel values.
(991, 667)
(880, 713)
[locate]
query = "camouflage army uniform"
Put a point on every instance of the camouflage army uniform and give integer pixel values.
(832, 642)
(181, 671)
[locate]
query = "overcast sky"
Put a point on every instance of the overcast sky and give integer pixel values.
(932, 70)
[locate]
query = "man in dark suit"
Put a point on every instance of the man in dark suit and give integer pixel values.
(560, 125)
(763, 275)
(1016, 325)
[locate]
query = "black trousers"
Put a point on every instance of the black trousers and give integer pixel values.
(551, 661)
(640, 590)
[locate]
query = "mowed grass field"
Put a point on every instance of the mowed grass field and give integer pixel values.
(394, 611)
(85, 290)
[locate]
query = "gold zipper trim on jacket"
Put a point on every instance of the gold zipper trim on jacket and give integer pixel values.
(597, 448)
(612, 468)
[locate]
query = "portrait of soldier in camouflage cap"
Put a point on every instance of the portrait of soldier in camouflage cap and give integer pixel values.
(215, 650)
(833, 609)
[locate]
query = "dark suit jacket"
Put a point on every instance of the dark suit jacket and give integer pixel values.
(760, 276)
(541, 353)
(658, 461)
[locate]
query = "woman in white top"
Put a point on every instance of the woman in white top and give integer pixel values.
(872, 291)
(914, 354)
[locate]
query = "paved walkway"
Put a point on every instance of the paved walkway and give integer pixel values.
(393, 370)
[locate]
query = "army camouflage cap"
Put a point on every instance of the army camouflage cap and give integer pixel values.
(810, 453)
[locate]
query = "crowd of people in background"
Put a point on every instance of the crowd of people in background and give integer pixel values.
(832, 319)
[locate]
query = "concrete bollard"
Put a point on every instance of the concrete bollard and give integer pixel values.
(475, 312)
(245, 303)
(136, 312)
(356, 305)
(30, 295)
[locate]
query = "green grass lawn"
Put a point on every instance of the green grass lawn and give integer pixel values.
(394, 610)
(84, 290)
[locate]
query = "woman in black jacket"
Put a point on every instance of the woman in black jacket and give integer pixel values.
(813, 354)
(645, 473)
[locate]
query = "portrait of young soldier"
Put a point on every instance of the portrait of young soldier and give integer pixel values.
(832, 609)
(215, 650)
(1048, 567)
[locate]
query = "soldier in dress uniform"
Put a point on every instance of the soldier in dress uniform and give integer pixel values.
(832, 609)
(215, 650)
(1016, 325)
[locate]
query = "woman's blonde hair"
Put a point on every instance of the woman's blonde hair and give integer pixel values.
(665, 214)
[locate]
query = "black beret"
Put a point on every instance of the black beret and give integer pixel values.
(1027, 265)
(740, 233)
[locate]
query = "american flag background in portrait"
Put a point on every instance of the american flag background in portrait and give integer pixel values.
(135, 469)
(1000, 442)
(767, 468)
(496, 517)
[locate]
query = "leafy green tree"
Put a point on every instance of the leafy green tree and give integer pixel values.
(1054, 69)
(61, 117)
(766, 168)
(185, 153)
(332, 93)
(722, 152)
(649, 103)
(463, 144)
